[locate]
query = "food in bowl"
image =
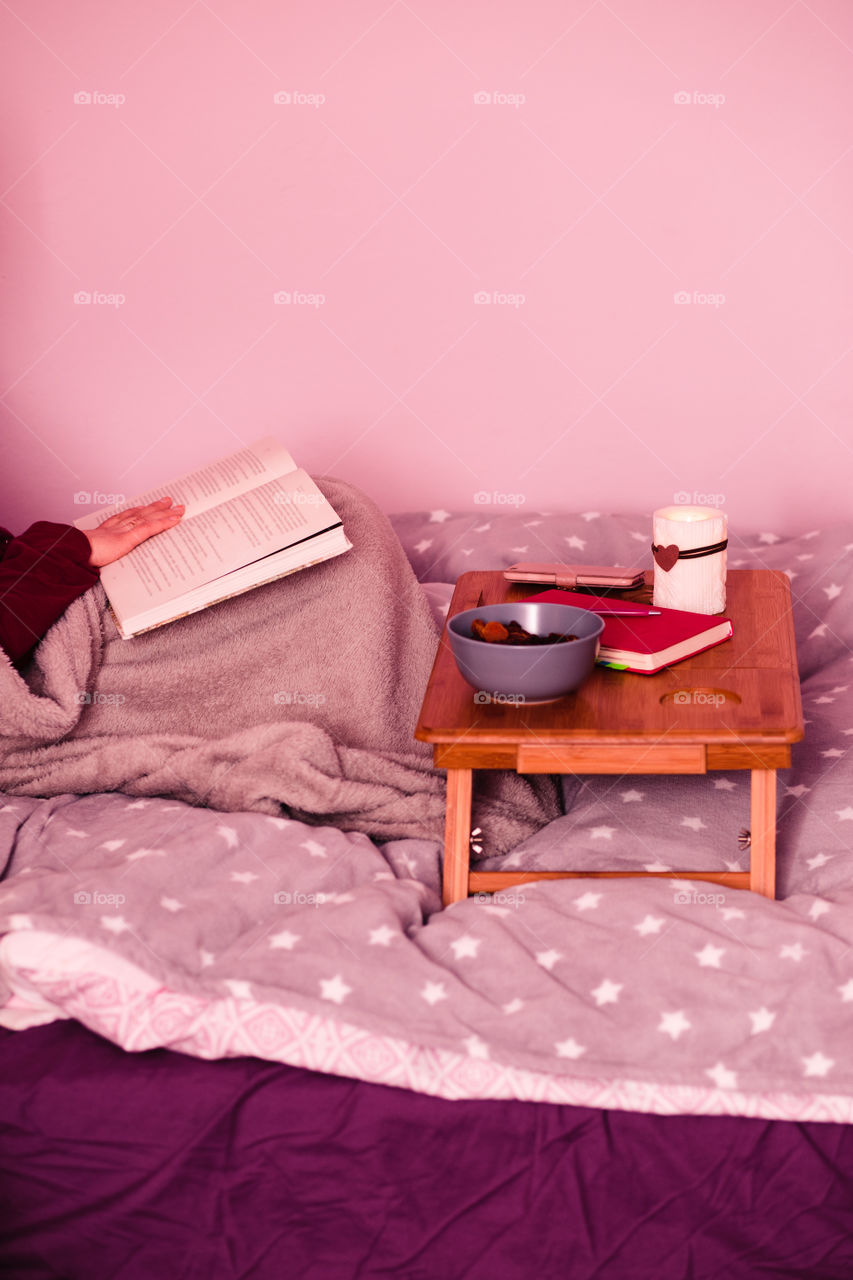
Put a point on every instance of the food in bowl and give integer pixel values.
(512, 633)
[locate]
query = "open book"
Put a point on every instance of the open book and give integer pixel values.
(250, 518)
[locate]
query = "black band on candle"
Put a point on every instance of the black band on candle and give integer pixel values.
(666, 557)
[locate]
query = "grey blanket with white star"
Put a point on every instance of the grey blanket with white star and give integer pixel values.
(156, 923)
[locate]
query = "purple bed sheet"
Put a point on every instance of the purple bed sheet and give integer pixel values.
(157, 1166)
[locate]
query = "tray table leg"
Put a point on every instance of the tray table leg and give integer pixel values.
(457, 835)
(762, 862)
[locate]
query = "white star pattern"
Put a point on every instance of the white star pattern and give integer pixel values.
(229, 835)
(797, 791)
(433, 992)
(845, 815)
(115, 924)
(792, 951)
(631, 797)
(833, 591)
(438, 517)
(588, 901)
(656, 866)
(513, 1006)
(334, 989)
(695, 824)
(674, 1024)
(569, 1048)
(548, 959)
(576, 542)
(243, 877)
(607, 992)
(283, 941)
(206, 958)
(423, 545)
(769, 538)
(590, 515)
(145, 853)
(602, 833)
(21, 921)
(724, 784)
(315, 850)
(466, 947)
(847, 991)
(649, 924)
(762, 1020)
(240, 989)
(171, 904)
(112, 845)
(818, 908)
(709, 957)
(722, 1077)
(832, 754)
(476, 1047)
(382, 936)
(817, 1065)
(732, 913)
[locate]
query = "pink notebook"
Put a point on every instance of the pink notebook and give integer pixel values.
(646, 644)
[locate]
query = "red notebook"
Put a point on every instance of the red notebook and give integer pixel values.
(646, 644)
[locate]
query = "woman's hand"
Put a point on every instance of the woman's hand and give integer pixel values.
(125, 530)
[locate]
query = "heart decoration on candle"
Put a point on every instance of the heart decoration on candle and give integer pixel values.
(665, 556)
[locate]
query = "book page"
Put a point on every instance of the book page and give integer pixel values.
(214, 483)
(204, 547)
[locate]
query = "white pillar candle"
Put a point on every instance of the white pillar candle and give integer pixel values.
(697, 585)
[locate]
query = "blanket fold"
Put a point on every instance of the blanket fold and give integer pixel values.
(303, 693)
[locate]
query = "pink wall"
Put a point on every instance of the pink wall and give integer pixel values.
(587, 186)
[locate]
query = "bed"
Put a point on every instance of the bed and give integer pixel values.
(246, 1045)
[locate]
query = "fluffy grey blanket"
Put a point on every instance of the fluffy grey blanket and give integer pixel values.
(303, 693)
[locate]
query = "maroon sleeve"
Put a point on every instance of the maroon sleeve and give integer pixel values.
(41, 572)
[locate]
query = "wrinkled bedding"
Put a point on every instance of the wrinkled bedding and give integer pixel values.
(249, 1170)
(158, 924)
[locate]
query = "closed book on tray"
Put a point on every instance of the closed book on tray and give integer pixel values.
(644, 643)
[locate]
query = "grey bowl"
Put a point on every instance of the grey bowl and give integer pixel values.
(532, 673)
